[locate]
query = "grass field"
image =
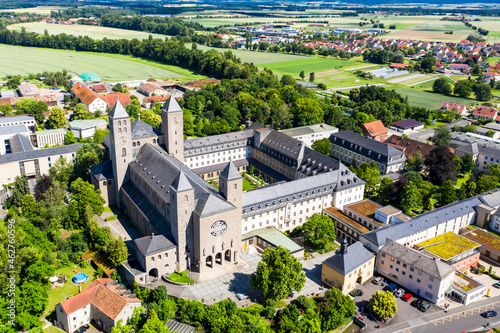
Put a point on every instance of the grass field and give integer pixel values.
(92, 31)
(430, 100)
(24, 60)
(308, 65)
(257, 57)
(41, 10)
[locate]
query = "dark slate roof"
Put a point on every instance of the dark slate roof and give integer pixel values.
(367, 147)
(103, 170)
(424, 221)
(283, 147)
(20, 143)
(142, 130)
(407, 123)
(355, 256)
(230, 172)
(153, 244)
(220, 139)
(159, 169)
(171, 105)
(39, 153)
(118, 111)
(181, 183)
(418, 260)
(315, 163)
(219, 166)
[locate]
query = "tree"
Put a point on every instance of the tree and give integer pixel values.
(6, 110)
(302, 75)
(411, 199)
(319, 230)
(383, 304)
(117, 251)
(21, 188)
(463, 88)
(370, 173)
(81, 112)
(278, 274)
(69, 138)
(83, 194)
(468, 164)
(42, 186)
(428, 64)
(334, 309)
(307, 111)
(442, 86)
(322, 146)
(483, 92)
(442, 136)
(153, 324)
(87, 156)
(469, 128)
(448, 194)
(56, 118)
(30, 207)
(311, 77)
(415, 163)
(32, 107)
(118, 88)
(441, 165)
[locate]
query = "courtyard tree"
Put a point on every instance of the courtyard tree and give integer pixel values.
(441, 165)
(69, 138)
(87, 156)
(411, 199)
(370, 173)
(442, 136)
(278, 274)
(56, 118)
(117, 251)
(322, 146)
(448, 193)
(319, 230)
(334, 309)
(81, 112)
(383, 304)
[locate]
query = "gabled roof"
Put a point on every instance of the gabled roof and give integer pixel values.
(153, 244)
(141, 130)
(118, 111)
(407, 123)
(352, 258)
(124, 99)
(409, 146)
(375, 128)
(230, 172)
(171, 105)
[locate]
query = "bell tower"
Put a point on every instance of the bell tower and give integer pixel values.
(173, 128)
(120, 150)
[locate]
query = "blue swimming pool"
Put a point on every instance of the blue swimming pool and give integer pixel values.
(80, 278)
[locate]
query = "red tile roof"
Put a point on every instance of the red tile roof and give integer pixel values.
(460, 108)
(153, 99)
(484, 112)
(123, 97)
(85, 95)
(148, 87)
(375, 128)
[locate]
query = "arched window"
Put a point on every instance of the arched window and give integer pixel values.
(133, 144)
(235, 186)
(124, 122)
(124, 152)
(186, 198)
(119, 122)
(119, 130)
(138, 143)
(154, 140)
(125, 129)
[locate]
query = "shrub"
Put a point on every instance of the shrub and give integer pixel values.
(109, 218)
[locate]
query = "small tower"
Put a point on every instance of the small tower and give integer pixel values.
(120, 151)
(231, 185)
(181, 207)
(173, 128)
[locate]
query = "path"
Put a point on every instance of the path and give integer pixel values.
(414, 84)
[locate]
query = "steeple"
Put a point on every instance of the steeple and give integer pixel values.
(118, 111)
(171, 105)
(230, 172)
(343, 247)
(181, 183)
(173, 128)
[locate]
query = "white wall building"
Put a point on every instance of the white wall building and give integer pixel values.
(52, 137)
(28, 121)
(311, 133)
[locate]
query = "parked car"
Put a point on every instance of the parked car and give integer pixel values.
(400, 292)
(392, 287)
(378, 280)
(241, 296)
(425, 306)
(356, 292)
(406, 297)
(489, 314)
(417, 302)
(497, 285)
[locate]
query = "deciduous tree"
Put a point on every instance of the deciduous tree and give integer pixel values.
(322, 146)
(383, 304)
(442, 136)
(319, 230)
(441, 165)
(56, 118)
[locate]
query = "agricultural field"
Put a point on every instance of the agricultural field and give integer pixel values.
(95, 32)
(24, 60)
(308, 65)
(430, 100)
(41, 10)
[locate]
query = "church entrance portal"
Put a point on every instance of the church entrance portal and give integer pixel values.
(227, 255)
(218, 258)
(210, 261)
(153, 274)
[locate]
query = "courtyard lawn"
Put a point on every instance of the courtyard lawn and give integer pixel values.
(247, 185)
(59, 294)
(24, 60)
(430, 100)
(308, 65)
(182, 277)
(461, 181)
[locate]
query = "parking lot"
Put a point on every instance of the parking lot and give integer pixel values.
(406, 312)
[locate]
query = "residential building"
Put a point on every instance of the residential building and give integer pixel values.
(407, 125)
(86, 128)
(103, 302)
(355, 149)
(148, 102)
(149, 89)
(311, 133)
(28, 90)
(453, 249)
(375, 130)
(51, 137)
(92, 100)
(462, 68)
(461, 109)
(485, 113)
(347, 267)
(482, 154)
(416, 272)
(409, 146)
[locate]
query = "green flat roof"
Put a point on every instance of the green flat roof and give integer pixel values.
(90, 76)
(274, 237)
(448, 245)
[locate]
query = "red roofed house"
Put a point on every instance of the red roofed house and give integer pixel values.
(149, 89)
(92, 100)
(99, 88)
(375, 130)
(485, 113)
(102, 302)
(123, 97)
(148, 102)
(463, 68)
(459, 108)
(400, 66)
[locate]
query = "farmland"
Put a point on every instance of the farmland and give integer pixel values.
(311, 64)
(41, 10)
(24, 60)
(430, 100)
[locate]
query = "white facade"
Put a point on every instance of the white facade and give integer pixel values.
(28, 121)
(50, 137)
(97, 104)
(309, 134)
(351, 157)
(208, 159)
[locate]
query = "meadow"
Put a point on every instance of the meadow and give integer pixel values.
(430, 100)
(41, 10)
(24, 60)
(308, 65)
(258, 57)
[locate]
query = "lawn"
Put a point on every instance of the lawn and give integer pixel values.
(247, 185)
(93, 31)
(24, 60)
(308, 65)
(461, 181)
(430, 100)
(59, 294)
(182, 277)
